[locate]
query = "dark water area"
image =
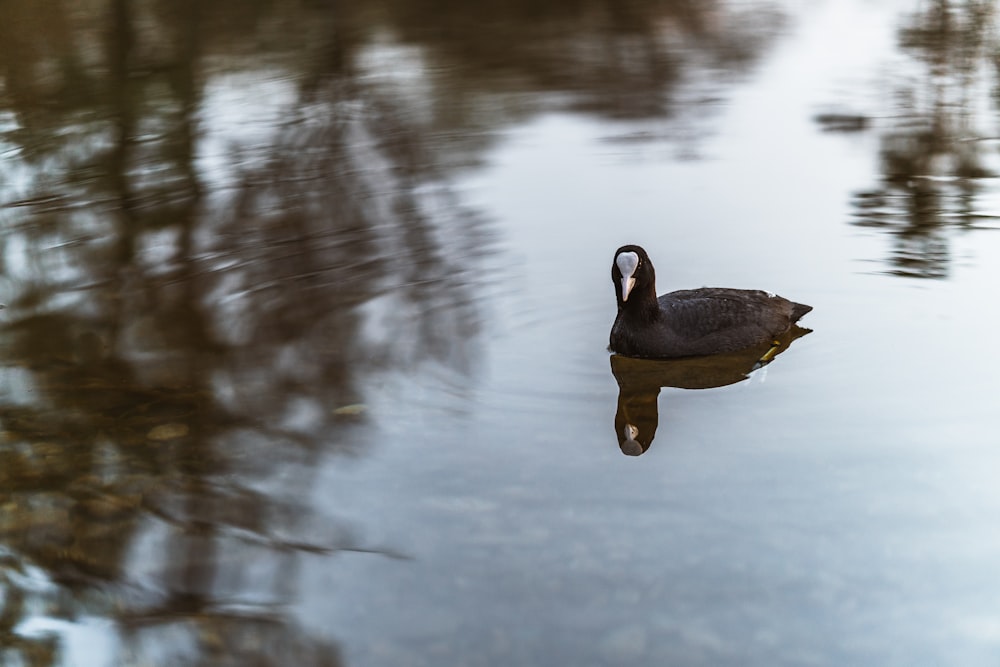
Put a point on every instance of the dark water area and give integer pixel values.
(303, 352)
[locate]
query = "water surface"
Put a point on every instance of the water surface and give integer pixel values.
(307, 311)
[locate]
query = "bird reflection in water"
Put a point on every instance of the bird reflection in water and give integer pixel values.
(640, 381)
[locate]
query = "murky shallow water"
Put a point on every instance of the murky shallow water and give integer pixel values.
(306, 362)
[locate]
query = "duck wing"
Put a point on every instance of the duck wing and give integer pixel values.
(715, 319)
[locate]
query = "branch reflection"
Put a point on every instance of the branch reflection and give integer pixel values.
(640, 381)
(220, 229)
(191, 312)
(935, 152)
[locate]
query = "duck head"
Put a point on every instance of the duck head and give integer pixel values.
(632, 274)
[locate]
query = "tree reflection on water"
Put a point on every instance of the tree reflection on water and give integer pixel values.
(934, 152)
(199, 291)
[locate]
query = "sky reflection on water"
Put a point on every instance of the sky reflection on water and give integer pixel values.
(305, 338)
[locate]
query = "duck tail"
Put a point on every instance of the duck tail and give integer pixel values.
(798, 310)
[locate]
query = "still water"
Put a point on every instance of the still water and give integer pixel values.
(306, 315)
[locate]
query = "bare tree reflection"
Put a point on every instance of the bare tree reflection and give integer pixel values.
(934, 152)
(619, 59)
(177, 350)
(197, 300)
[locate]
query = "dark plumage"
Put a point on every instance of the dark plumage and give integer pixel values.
(694, 322)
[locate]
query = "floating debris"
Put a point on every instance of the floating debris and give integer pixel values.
(842, 122)
(168, 432)
(352, 410)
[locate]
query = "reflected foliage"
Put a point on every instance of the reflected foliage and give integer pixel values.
(222, 224)
(189, 308)
(640, 381)
(938, 149)
(619, 59)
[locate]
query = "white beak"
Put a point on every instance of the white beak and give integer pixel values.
(628, 282)
(627, 263)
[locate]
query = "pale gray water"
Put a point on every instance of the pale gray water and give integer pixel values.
(376, 324)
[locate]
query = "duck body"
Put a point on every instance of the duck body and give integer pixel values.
(709, 320)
